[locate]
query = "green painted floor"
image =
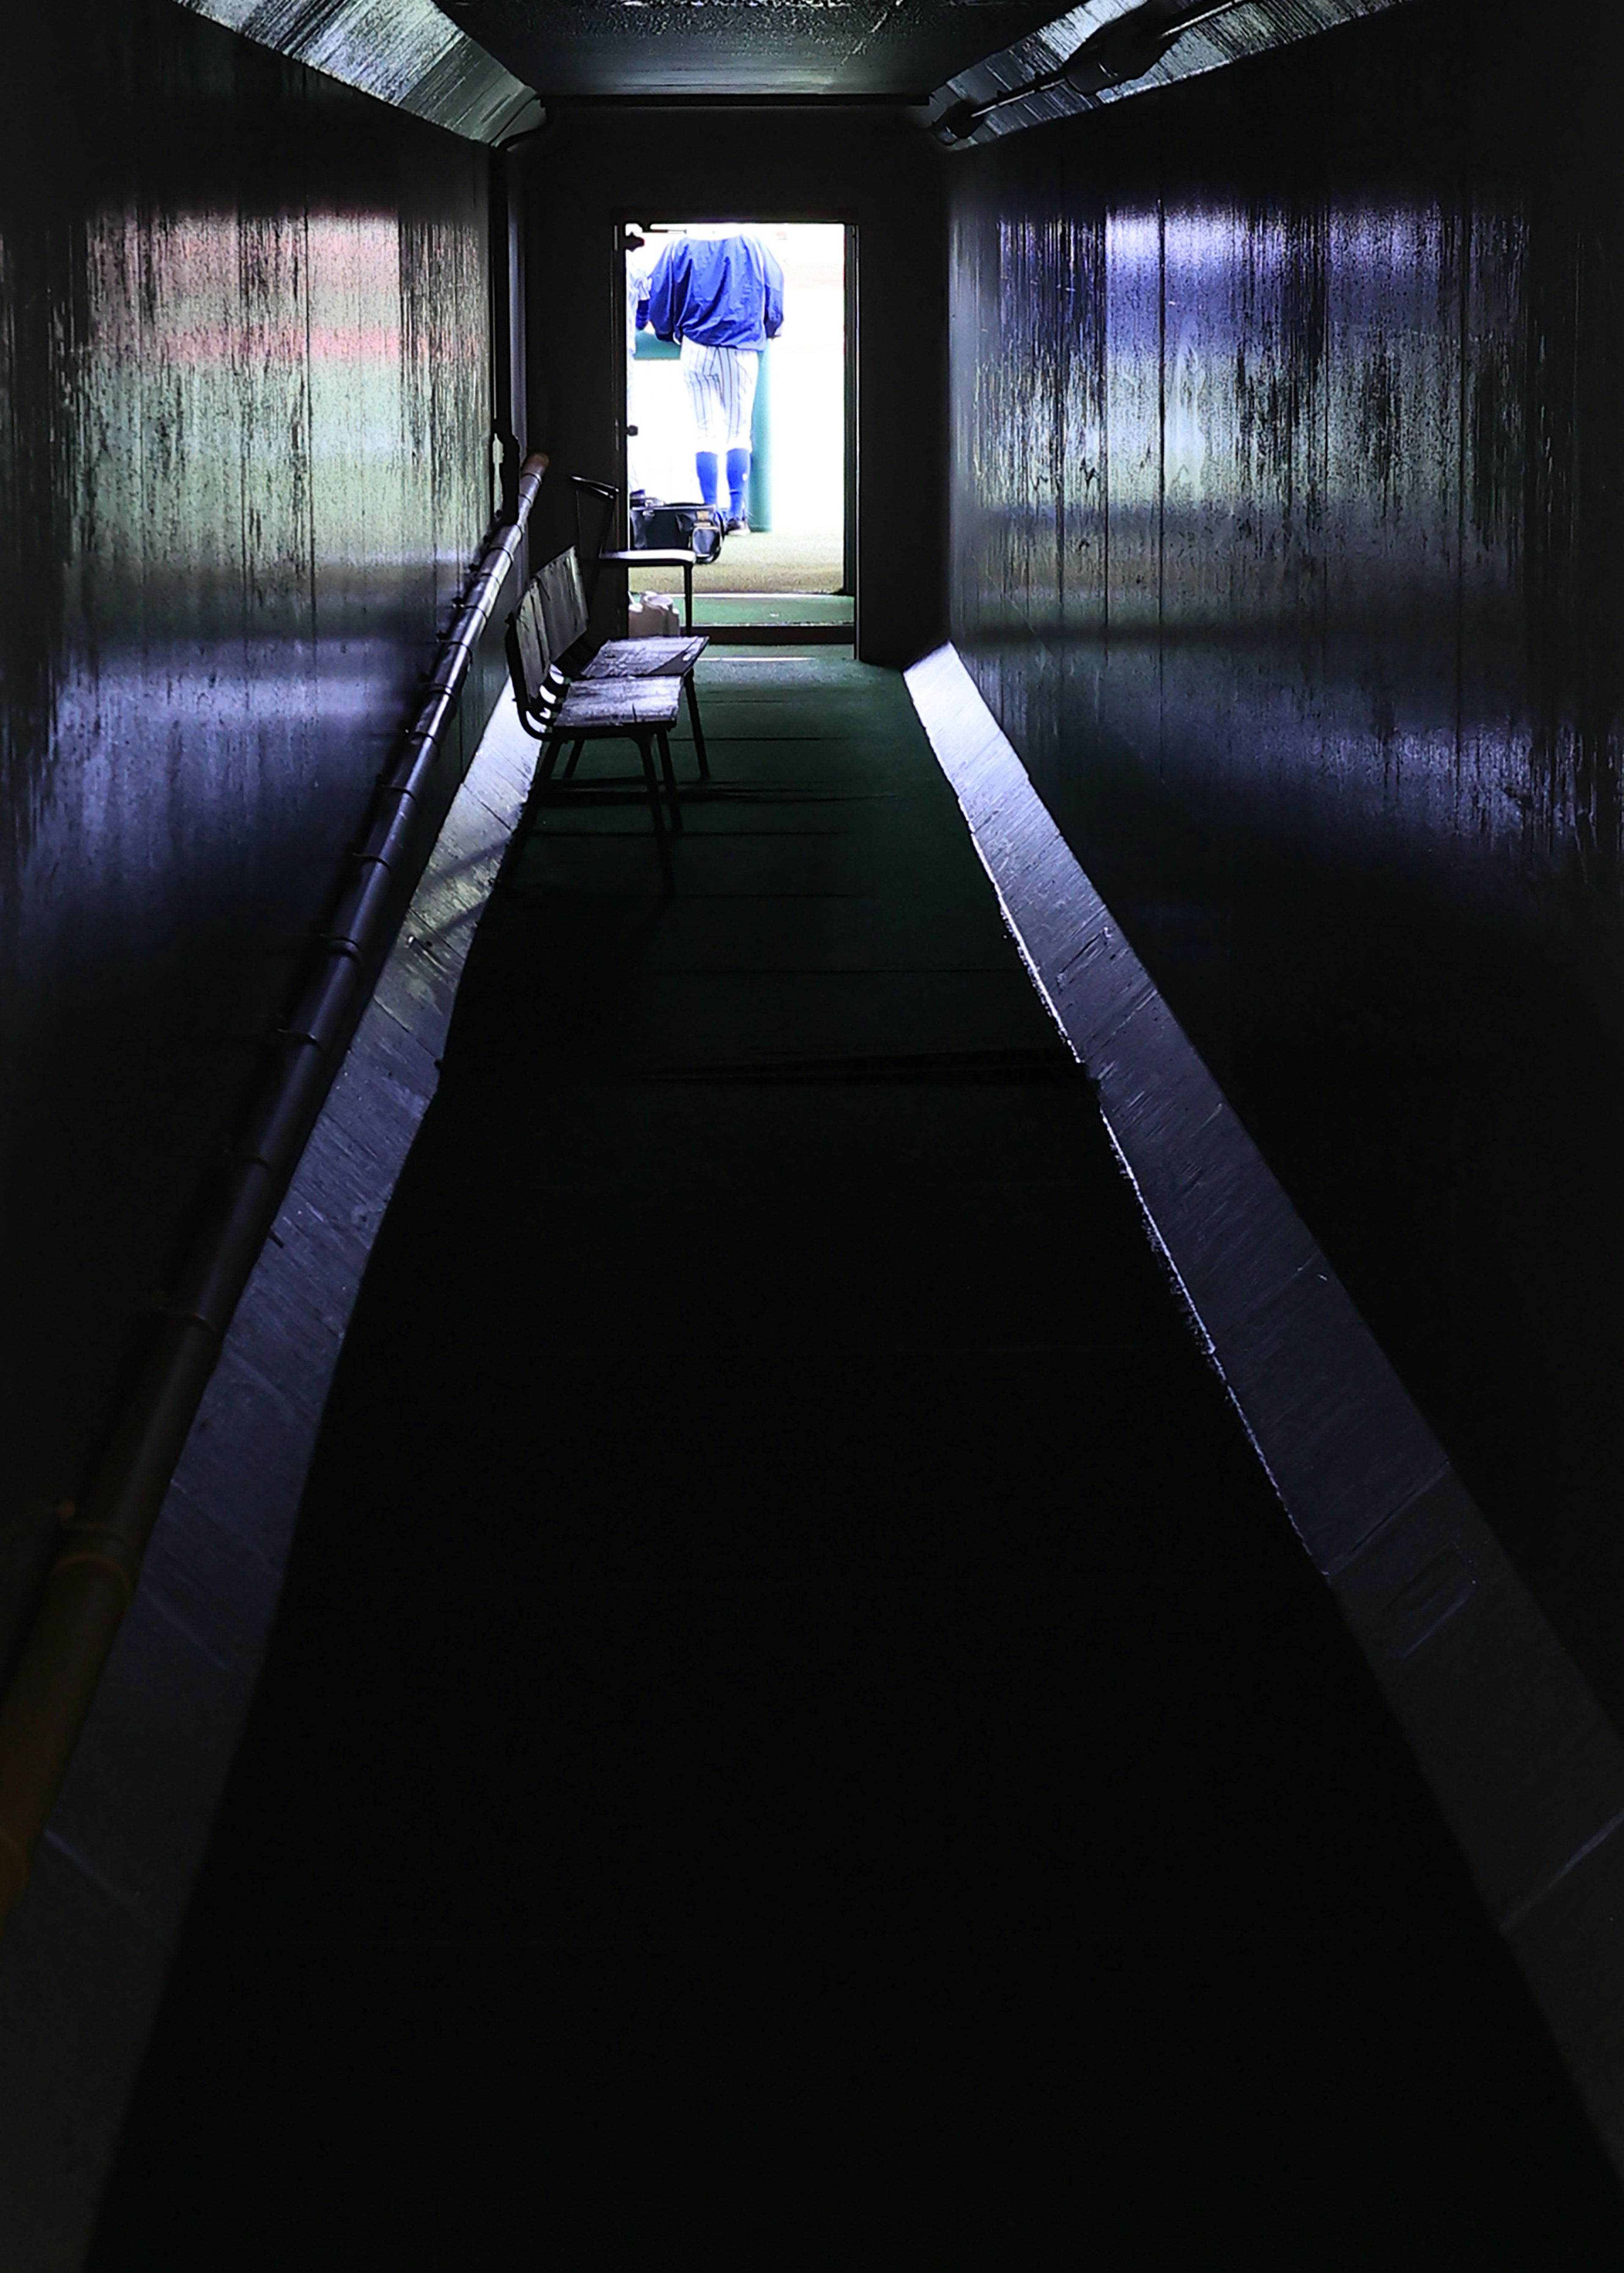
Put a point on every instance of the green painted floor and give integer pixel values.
(798, 1736)
(770, 560)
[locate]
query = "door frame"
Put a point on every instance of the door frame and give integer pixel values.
(626, 218)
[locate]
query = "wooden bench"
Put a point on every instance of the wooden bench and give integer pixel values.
(565, 616)
(557, 711)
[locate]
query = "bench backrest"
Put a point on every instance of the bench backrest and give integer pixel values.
(563, 602)
(546, 624)
(529, 652)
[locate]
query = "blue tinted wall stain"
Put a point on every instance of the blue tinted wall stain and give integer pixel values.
(1286, 495)
(245, 403)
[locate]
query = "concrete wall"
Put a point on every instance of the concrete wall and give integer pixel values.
(1288, 545)
(871, 167)
(244, 467)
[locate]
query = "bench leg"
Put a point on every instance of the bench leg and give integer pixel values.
(698, 730)
(687, 596)
(669, 771)
(549, 759)
(574, 760)
(656, 807)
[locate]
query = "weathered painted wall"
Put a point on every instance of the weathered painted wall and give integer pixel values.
(1288, 544)
(245, 410)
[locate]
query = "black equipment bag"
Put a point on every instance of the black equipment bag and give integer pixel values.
(696, 529)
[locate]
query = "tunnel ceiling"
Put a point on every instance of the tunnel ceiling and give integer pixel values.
(908, 49)
(639, 48)
(471, 64)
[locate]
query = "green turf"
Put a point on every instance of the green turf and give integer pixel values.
(788, 608)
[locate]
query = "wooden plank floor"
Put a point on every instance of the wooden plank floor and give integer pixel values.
(797, 1734)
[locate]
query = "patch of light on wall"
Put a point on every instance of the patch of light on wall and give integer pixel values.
(405, 52)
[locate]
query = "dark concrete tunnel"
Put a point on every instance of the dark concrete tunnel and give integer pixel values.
(906, 1552)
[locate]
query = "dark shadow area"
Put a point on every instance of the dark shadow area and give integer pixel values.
(797, 1732)
(1287, 550)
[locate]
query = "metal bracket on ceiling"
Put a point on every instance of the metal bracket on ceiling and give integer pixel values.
(1101, 51)
(1115, 55)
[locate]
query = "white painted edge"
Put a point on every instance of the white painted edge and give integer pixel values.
(86, 1952)
(1525, 1767)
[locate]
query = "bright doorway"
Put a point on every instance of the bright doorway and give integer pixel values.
(791, 568)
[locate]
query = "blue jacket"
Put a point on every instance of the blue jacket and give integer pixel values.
(722, 292)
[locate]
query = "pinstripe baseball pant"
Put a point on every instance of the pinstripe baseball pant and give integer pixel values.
(722, 393)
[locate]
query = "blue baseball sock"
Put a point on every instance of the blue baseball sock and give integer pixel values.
(705, 466)
(738, 482)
